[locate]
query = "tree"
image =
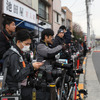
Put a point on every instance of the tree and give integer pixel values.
(77, 31)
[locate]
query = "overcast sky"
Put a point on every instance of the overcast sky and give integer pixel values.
(78, 9)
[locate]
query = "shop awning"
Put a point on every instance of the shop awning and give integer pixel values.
(25, 24)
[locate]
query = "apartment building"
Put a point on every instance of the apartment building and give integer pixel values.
(68, 17)
(43, 13)
(63, 17)
(56, 15)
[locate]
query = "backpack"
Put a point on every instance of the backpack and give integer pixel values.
(3, 86)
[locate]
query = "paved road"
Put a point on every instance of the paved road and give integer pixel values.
(93, 75)
(96, 61)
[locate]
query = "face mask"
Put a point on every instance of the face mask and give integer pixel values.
(26, 48)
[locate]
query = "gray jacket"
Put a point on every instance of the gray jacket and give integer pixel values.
(44, 52)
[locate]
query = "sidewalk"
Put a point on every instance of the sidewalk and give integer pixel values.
(91, 81)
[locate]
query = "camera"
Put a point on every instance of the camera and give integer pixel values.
(45, 77)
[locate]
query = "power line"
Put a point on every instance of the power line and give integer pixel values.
(76, 2)
(73, 4)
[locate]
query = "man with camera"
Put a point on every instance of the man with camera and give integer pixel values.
(18, 71)
(46, 52)
(59, 40)
(67, 34)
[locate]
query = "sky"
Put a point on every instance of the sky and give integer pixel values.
(78, 9)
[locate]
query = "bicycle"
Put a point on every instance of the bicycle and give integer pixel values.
(63, 92)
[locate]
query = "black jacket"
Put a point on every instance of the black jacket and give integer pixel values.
(16, 73)
(67, 37)
(5, 42)
(58, 41)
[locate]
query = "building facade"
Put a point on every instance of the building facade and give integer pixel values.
(34, 15)
(56, 15)
(68, 17)
(24, 15)
(63, 17)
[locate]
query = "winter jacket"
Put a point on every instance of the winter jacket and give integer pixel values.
(67, 37)
(5, 42)
(44, 52)
(58, 41)
(17, 72)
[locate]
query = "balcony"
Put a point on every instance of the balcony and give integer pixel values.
(43, 14)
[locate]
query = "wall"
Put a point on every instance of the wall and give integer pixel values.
(27, 2)
(68, 15)
(56, 9)
(35, 5)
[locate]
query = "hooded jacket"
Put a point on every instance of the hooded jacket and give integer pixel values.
(16, 72)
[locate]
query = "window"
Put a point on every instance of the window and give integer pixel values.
(42, 10)
(57, 18)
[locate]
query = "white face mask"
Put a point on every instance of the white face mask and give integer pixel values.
(26, 48)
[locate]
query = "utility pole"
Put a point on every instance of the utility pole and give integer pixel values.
(88, 3)
(88, 21)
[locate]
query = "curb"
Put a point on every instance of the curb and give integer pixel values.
(81, 84)
(82, 76)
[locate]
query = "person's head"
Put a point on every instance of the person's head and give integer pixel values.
(9, 24)
(63, 28)
(47, 35)
(60, 33)
(23, 40)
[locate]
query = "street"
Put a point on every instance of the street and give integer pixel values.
(96, 61)
(92, 77)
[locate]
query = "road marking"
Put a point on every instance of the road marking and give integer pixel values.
(96, 51)
(80, 86)
(83, 71)
(84, 62)
(85, 58)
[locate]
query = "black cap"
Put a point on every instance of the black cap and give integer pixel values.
(60, 31)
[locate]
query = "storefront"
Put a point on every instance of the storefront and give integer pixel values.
(25, 17)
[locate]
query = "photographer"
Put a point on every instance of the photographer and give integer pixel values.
(67, 34)
(45, 52)
(18, 70)
(6, 37)
(59, 40)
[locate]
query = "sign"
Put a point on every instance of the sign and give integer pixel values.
(18, 10)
